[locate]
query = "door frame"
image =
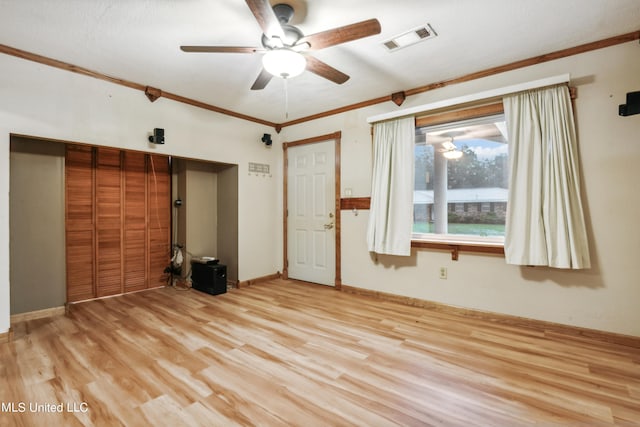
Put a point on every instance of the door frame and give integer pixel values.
(336, 137)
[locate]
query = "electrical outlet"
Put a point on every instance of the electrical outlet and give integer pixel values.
(443, 272)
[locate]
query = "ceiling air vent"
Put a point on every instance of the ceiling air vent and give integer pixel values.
(391, 45)
(414, 36)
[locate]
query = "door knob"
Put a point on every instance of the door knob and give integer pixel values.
(328, 226)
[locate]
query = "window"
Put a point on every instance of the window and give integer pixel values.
(461, 177)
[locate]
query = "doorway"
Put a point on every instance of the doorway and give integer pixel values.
(312, 210)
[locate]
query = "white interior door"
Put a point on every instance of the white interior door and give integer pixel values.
(311, 218)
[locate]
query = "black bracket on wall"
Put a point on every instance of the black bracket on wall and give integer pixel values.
(632, 106)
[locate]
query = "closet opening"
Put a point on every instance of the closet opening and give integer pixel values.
(88, 222)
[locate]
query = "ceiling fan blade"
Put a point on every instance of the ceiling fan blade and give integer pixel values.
(263, 79)
(221, 49)
(267, 20)
(324, 70)
(342, 34)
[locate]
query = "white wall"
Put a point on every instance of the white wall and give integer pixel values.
(607, 296)
(46, 102)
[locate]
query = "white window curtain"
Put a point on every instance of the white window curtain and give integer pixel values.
(391, 211)
(545, 222)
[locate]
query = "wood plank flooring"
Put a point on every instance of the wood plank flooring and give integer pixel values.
(285, 353)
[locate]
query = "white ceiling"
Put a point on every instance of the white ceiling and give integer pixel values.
(138, 40)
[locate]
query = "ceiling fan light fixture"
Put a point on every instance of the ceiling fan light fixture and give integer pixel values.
(284, 63)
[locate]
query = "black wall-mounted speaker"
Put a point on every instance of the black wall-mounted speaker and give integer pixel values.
(266, 138)
(158, 136)
(632, 106)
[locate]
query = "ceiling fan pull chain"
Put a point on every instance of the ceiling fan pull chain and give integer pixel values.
(286, 100)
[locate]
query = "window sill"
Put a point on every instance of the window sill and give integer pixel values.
(458, 245)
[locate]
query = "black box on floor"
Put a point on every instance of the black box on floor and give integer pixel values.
(209, 278)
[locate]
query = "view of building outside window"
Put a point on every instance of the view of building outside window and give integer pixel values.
(461, 178)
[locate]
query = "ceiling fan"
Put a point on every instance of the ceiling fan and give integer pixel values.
(286, 48)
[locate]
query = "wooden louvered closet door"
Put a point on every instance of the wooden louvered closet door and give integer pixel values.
(135, 225)
(118, 221)
(80, 226)
(158, 217)
(109, 226)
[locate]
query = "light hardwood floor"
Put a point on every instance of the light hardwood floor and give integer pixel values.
(284, 353)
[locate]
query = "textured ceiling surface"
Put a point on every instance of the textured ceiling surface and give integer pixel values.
(138, 40)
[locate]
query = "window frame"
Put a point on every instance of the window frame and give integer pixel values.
(449, 241)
